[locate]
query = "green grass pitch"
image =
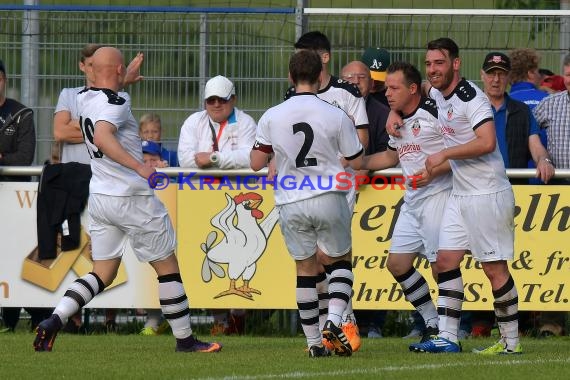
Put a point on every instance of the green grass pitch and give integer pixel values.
(131, 356)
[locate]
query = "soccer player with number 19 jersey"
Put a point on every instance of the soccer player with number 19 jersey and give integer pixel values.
(479, 215)
(122, 207)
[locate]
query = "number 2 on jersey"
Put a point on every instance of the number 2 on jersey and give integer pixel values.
(88, 131)
(302, 161)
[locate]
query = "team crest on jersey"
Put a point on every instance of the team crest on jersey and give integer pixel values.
(416, 128)
(450, 112)
(244, 238)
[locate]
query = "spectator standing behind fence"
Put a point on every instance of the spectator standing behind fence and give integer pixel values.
(525, 80)
(17, 147)
(17, 132)
(356, 72)
(553, 115)
(313, 215)
(515, 126)
(66, 128)
(220, 136)
(150, 129)
(119, 198)
(377, 60)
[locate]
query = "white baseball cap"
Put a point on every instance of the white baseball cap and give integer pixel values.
(219, 86)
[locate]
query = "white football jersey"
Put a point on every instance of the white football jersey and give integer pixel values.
(110, 177)
(67, 101)
(460, 113)
(307, 135)
(345, 96)
(420, 138)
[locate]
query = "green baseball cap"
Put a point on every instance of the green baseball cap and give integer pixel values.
(377, 60)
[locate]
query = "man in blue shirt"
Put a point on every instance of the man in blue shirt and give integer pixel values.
(525, 81)
(516, 128)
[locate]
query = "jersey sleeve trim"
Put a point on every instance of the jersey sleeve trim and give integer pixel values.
(482, 122)
(262, 147)
(355, 156)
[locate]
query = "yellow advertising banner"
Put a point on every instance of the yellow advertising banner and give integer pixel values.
(232, 253)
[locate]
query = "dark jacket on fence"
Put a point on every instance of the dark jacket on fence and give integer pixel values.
(517, 134)
(62, 195)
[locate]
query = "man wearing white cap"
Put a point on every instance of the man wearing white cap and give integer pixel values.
(221, 136)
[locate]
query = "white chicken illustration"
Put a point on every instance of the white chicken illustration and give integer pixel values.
(242, 245)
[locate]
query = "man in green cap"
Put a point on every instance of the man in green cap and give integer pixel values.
(377, 60)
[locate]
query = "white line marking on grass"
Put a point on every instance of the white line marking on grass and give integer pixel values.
(379, 370)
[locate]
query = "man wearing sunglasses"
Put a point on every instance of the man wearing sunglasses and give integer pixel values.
(221, 136)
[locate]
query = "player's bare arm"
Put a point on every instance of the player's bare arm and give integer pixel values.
(394, 123)
(66, 129)
(258, 159)
(484, 142)
(105, 140)
(271, 169)
(423, 178)
(133, 70)
(544, 166)
(355, 162)
(381, 160)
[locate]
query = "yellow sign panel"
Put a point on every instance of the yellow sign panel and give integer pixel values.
(232, 253)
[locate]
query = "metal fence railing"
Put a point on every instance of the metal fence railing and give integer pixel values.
(185, 46)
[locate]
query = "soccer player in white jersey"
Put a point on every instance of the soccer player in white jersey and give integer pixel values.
(66, 127)
(306, 135)
(417, 229)
(347, 97)
(479, 215)
(119, 198)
